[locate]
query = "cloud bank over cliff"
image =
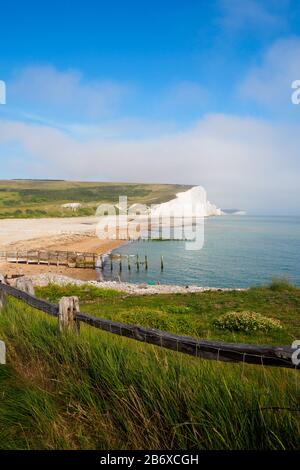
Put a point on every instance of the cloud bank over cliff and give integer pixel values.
(228, 155)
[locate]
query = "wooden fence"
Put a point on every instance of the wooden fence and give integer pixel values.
(70, 317)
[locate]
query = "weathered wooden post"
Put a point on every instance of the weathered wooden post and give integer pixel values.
(120, 264)
(146, 262)
(137, 263)
(161, 263)
(25, 284)
(128, 261)
(68, 309)
(2, 293)
(2, 353)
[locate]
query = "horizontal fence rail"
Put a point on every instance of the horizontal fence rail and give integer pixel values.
(31, 300)
(279, 356)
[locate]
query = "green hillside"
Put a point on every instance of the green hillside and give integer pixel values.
(44, 198)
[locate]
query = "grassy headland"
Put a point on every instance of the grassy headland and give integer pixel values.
(101, 391)
(39, 198)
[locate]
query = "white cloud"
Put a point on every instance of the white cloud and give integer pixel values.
(65, 92)
(240, 161)
(270, 82)
(187, 93)
(263, 16)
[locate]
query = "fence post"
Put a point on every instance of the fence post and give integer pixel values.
(2, 293)
(25, 284)
(68, 309)
(2, 353)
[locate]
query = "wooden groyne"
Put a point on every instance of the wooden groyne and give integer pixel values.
(53, 258)
(78, 259)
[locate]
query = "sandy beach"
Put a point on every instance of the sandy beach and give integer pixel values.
(70, 234)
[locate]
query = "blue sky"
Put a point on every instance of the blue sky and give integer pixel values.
(164, 91)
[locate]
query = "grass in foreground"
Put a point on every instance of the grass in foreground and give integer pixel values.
(105, 392)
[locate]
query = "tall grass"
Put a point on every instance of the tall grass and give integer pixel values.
(105, 392)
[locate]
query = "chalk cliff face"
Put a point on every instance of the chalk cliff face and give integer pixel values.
(189, 203)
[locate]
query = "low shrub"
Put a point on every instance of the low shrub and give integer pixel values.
(246, 321)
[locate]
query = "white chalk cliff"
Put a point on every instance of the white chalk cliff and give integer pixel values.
(191, 203)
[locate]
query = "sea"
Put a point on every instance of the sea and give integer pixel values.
(238, 251)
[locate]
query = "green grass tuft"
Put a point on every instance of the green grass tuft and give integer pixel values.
(280, 285)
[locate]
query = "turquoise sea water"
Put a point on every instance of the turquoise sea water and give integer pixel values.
(238, 251)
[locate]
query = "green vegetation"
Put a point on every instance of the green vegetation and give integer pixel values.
(100, 391)
(247, 321)
(194, 314)
(38, 198)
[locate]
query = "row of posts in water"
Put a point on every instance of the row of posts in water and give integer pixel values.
(138, 263)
